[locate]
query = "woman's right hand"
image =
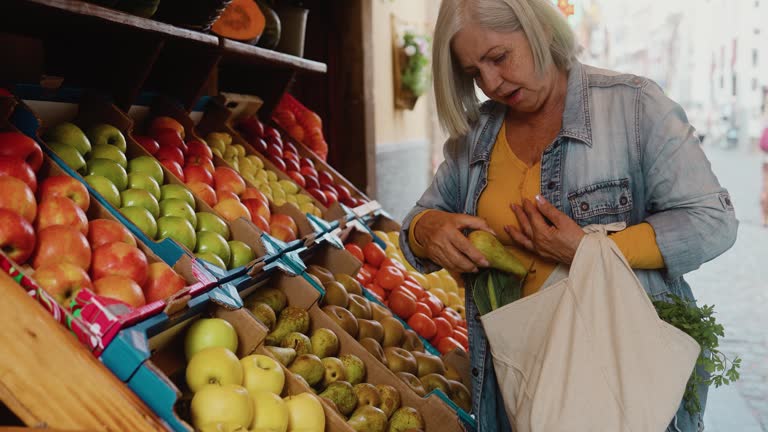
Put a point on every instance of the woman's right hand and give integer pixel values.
(440, 234)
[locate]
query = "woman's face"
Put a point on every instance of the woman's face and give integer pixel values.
(502, 66)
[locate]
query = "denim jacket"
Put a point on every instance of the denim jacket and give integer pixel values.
(625, 153)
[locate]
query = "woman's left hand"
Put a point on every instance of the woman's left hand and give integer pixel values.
(558, 241)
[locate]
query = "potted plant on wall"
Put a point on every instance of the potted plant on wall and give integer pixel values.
(411, 61)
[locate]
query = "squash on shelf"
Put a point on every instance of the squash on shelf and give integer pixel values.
(242, 20)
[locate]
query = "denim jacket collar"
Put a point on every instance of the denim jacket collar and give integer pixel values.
(576, 120)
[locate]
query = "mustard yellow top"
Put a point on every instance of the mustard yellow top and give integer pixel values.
(510, 180)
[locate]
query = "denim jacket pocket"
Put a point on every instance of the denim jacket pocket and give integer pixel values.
(602, 203)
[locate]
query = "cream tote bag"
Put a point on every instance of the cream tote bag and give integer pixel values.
(589, 353)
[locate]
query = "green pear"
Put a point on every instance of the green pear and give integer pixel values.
(342, 394)
(309, 367)
(406, 418)
(390, 399)
(434, 381)
(367, 394)
(264, 314)
(69, 134)
(292, 319)
(354, 367)
(275, 298)
(428, 364)
(335, 294)
(459, 394)
(497, 255)
(284, 355)
(298, 341)
(334, 371)
(367, 418)
(325, 343)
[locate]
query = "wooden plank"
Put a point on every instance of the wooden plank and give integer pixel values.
(245, 53)
(48, 379)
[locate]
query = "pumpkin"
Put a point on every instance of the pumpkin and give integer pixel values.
(242, 20)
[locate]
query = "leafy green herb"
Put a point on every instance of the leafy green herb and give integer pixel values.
(699, 323)
(492, 289)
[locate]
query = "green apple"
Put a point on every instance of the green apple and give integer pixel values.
(276, 419)
(177, 228)
(142, 218)
(101, 134)
(178, 207)
(256, 161)
(211, 222)
(241, 254)
(105, 188)
(213, 365)
(305, 413)
(209, 241)
(228, 404)
(209, 332)
(68, 133)
(212, 258)
(262, 373)
(144, 181)
(147, 164)
(140, 198)
(177, 191)
(68, 154)
(109, 169)
(106, 151)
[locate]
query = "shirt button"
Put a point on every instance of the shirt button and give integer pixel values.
(584, 206)
(477, 317)
(623, 200)
(475, 372)
(551, 185)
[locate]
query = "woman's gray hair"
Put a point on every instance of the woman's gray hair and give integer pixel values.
(547, 30)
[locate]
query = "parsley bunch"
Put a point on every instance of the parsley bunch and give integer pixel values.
(699, 323)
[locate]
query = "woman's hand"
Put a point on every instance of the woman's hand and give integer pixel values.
(558, 241)
(440, 234)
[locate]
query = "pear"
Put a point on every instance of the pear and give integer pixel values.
(334, 371)
(375, 349)
(284, 355)
(460, 395)
(335, 294)
(412, 342)
(359, 306)
(498, 257)
(350, 284)
(393, 331)
(309, 367)
(275, 298)
(264, 313)
(299, 342)
(325, 343)
(379, 312)
(321, 273)
(406, 418)
(354, 368)
(451, 373)
(390, 399)
(428, 364)
(368, 418)
(367, 394)
(342, 394)
(435, 382)
(343, 318)
(400, 360)
(370, 329)
(292, 319)
(412, 382)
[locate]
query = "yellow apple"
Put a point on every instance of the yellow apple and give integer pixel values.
(230, 152)
(278, 194)
(305, 413)
(214, 365)
(271, 176)
(265, 189)
(240, 149)
(307, 207)
(217, 152)
(257, 162)
(262, 175)
(289, 187)
(229, 404)
(303, 198)
(269, 412)
(224, 427)
(262, 373)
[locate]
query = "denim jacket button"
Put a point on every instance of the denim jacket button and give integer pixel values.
(584, 206)
(475, 372)
(623, 200)
(551, 185)
(477, 317)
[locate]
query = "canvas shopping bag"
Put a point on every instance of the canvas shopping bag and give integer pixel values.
(589, 353)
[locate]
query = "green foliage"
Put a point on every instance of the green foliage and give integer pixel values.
(492, 289)
(699, 323)
(415, 73)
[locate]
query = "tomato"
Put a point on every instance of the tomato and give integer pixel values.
(402, 304)
(444, 328)
(451, 315)
(462, 330)
(406, 290)
(423, 308)
(363, 276)
(389, 277)
(416, 289)
(434, 303)
(378, 290)
(395, 263)
(371, 270)
(460, 337)
(423, 325)
(374, 254)
(448, 344)
(356, 251)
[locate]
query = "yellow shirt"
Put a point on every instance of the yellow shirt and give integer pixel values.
(510, 180)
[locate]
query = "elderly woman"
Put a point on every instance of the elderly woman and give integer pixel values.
(559, 145)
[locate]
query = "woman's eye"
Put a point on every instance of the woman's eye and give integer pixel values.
(499, 59)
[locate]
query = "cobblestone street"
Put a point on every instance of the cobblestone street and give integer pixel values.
(737, 284)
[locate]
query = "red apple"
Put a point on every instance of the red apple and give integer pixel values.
(308, 171)
(197, 173)
(118, 258)
(204, 192)
(291, 165)
(275, 150)
(289, 147)
(202, 161)
(103, 231)
(15, 167)
(162, 282)
(277, 162)
(330, 196)
(163, 123)
(342, 192)
(306, 162)
(251, 126)
(149, 144)
(261, 223)
(319, 195)
(260, 145)
(222, 195)
(172, 153)
(62, 280)
(170, 138)
(257, 207)
(173, 167)
(18, 197)
(17, 237)
(297, 177)
(120, 288)
(289, 155)
(5, 93)
(198, 148)
(279, 218)
(253, 193)
(325, 178)
(58, 210)
(272, 133)
(68, 187)
(311, 182)
(18, 145)
(231, 210)
(282, 232)
(62, 243)
(228, 179)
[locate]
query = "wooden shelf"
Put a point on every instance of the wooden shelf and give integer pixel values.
(239, 52)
